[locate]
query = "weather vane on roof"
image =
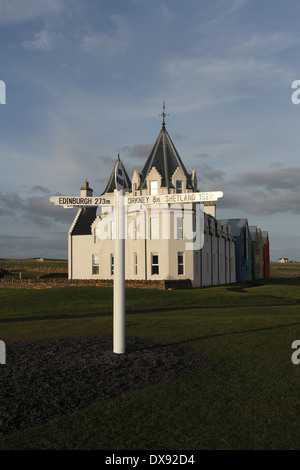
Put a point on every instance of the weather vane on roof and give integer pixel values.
(163, 114)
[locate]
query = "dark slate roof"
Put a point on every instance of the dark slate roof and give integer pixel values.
(235, 224)
(254, 232)
(84, 221)
(265, 236)
(111, 184)
(165, 158)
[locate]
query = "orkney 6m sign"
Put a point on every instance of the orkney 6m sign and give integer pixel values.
(175, 198)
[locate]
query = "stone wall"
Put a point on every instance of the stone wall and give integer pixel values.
(61, 282)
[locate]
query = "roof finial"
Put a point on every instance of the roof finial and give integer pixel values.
(163, 114)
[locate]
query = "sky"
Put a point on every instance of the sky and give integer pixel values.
(86, 79)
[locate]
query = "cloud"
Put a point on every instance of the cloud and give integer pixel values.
(23, 246)
(40, 189)
(283, 178)
(261, 194)
(19, 11)
(194, 83)
(167, 14)
(261, 202)
(108, 160)
(108, 44)
(207, 173)
(264, 44)
(222, 13)
(264, 193)
(138, 150)
(203, 155)
(72, 156)
(37, 210)
(102, 182)
(179, 137)
(213, 142)
(43, 41)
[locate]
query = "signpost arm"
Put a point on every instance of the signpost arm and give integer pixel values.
(119, 275)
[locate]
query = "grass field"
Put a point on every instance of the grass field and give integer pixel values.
(31, 268)
(247, 399)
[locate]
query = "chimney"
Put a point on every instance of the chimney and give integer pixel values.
(86, 191)
(210, 208)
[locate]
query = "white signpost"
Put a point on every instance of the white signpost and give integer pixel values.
(119, 265)
(119, 201)
(77, 201)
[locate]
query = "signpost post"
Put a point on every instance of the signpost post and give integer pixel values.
(119, 201)
(119, 265)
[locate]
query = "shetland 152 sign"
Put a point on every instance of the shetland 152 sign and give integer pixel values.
(175, 198)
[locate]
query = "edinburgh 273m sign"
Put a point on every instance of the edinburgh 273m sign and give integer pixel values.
(75, 201)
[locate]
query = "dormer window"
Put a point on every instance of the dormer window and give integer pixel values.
(178, 186)
(153, 188)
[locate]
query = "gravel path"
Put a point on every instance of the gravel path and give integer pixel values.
(45, 379)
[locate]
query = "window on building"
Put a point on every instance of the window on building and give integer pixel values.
(154, 263)
(180, 262)
(95, 264)
(112, 264)
(179, 228)
(134, 229)
(178, 186)
(135, 265)
(154, 228)
(153, 188)
(112, 230)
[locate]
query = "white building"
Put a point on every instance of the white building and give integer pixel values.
(157, 244)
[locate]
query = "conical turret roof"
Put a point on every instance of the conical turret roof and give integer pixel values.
(165, 158)
(111, 183)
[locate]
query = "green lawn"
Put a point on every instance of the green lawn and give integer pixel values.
(247, 399)
(72, 300)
